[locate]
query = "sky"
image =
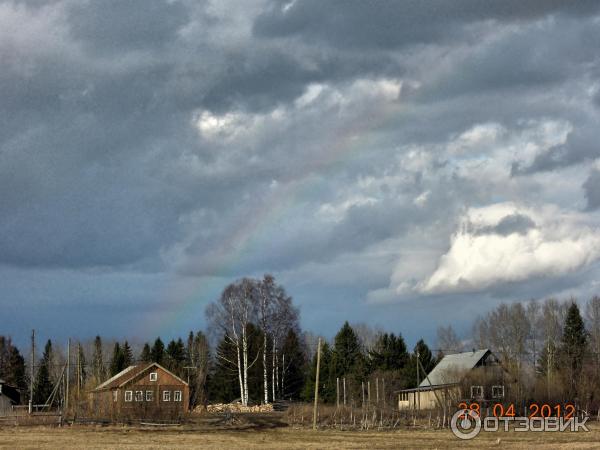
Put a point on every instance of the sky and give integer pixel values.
(403, 164)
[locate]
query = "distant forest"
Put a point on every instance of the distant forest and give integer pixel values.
(260, 353)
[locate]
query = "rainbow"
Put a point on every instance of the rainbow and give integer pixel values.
(341, 147)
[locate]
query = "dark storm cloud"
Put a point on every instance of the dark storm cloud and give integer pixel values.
(359, 24)
(116, 26)
(514, 223)
(329, 134)
(591, 187)
(581, 145)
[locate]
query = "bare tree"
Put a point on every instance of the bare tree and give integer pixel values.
(533, 317)
(592, 317)
(367, 335)
(231, 315)
(447, 340)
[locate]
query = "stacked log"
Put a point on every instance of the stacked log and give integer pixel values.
(234, 408)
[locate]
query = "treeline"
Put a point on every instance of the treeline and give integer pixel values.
(550, 349)
(260, 354)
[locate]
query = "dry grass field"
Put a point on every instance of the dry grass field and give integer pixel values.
(194, 437)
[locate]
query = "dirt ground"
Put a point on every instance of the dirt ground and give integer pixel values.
(277, 437)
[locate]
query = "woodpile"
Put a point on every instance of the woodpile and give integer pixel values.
(234, 408)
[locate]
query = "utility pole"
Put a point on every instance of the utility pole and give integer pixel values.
(78, 369)
(68, 374)
(317, 385)
(418, 381)
(344, 391)
(337, 392)
(32, 371)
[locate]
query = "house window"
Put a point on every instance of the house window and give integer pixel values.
(115, 395)
(166, 396)
(128, 396)
(149, 396)
(177, 396)
(476, 391)
(139, 396)
(153, 376)
(498, 391)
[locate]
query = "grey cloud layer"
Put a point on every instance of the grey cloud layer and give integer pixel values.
(223, 139)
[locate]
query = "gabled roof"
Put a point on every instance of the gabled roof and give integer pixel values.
(131, 372)
(450, 367)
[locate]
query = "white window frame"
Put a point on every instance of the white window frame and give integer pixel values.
(166, 397)
(478, 389)
(139, 396)
(128, 396)
(498, 388)
(149, 396)
(177, 396)
(153, 376)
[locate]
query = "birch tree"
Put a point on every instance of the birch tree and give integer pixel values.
(231, 315)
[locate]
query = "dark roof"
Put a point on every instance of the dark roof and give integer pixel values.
(129, 374)
(11, 392)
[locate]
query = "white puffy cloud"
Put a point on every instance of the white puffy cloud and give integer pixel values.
(507, 242)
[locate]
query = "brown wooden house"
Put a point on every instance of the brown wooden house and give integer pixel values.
(144, 391)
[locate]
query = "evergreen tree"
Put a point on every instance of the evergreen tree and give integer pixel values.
(574, 344)
(146, 355)
(43, 384)
(127, 355)
(117, 361)
(12, 365)
(327, 382)
(347, 355)
(16, 375)
(389, 353)
(98, 369)
(223, 385)
(294, 368)
(175, 356)
(157, 353)
(409, 372)
(425, 356)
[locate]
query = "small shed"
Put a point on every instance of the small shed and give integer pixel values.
(9, 397)
(143, 391)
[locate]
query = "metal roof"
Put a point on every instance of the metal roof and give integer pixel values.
(448, 370)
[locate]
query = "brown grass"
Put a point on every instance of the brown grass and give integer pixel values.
(218, 437)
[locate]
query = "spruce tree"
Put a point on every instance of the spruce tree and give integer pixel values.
(16, 374)
(127, 355)
(347, 355)
(157, 353)
(223, 384)
(294, 368)
(388, 353)
(327, 377)
(574, 344)
(175, 356)
(146, 355)
(43, 384)
(117, 361)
